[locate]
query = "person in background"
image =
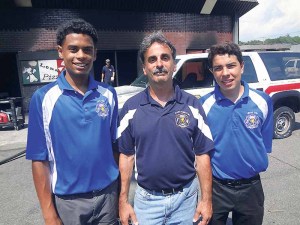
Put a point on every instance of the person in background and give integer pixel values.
(108, 73)
(163, 129)
(72, 125)
(241, 122)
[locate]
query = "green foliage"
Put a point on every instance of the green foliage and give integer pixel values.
(280, 40)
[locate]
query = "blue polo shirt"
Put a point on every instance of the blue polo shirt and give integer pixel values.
(163, 139)
(242, 132)
(75, 134)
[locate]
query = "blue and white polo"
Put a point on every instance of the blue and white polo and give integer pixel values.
(164, 139)
(75, 134)
(242, 132)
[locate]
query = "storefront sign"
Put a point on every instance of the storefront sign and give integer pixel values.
(41, 71)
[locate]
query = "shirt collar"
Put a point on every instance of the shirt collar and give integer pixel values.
(64, 84)
(147, 99)
(219, 96)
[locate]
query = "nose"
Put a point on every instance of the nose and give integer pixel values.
(225, 71)
(80, 54)
(159, 63)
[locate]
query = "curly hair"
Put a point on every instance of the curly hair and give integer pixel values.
(78, 26)
(225, 48)
(158, 37)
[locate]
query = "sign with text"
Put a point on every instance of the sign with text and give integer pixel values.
(41, 71)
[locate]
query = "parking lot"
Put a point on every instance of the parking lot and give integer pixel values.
(19, 204)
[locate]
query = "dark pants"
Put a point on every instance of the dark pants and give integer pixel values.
(109, 82)
(245, 201)
(98, 207)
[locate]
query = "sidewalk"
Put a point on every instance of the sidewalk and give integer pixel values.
(11, 139)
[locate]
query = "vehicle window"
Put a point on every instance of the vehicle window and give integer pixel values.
(193, 74)
(282, 66)
(141, 81)
(249, 74)
(290, 63)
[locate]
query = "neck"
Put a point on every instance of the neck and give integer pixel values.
(161, 94)
(235, 94)
(79, 83)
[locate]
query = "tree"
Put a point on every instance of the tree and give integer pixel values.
(280, 40)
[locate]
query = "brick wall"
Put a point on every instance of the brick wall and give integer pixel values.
(27, 29)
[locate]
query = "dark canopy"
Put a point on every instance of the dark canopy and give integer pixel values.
(221, 7)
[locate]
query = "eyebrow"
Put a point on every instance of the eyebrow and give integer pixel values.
(76, 46)
(228, 64)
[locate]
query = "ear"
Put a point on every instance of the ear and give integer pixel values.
(144, 71)
(175, 68)
(242, 67)
(59, 49)
(95, 54)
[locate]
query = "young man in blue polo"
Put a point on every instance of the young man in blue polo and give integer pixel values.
(241, 122)
(72, 124)
(163, 130)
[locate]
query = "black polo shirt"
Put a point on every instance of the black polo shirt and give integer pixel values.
(164, 139)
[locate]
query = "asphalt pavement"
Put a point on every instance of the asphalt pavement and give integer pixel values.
(19, 204)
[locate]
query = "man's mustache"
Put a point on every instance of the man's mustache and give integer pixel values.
(160, 70)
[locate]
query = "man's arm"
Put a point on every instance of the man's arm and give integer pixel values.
(113, 76)
(41, 179)
(125, 209)
(204, 173)
(102, 77)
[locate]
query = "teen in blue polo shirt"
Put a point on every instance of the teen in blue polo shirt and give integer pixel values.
(72, 124)
(241, 122)
(163, 129)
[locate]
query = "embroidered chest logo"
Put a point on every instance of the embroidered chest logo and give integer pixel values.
(252, 120)
(102, 108)
(182, 119)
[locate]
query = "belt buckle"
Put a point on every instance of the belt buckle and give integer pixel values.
(168, 192)
(234, 182)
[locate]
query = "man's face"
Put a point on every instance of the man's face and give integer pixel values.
(227, 71)
(159, 64)
(79, 53)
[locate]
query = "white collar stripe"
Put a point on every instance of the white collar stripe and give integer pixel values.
(125, 122)
(260, 102)
(48, 104)
(201, 124)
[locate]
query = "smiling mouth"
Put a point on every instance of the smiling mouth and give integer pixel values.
(226, 81)
(160, 73)
(80, 65)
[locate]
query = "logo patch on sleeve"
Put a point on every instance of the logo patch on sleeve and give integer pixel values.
(182, 119)
(102, 108)
(252, 120)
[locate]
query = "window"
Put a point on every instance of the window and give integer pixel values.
(282, 66)
(249, 74)
(194, 73)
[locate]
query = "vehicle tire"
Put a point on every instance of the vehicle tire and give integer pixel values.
(284, 122)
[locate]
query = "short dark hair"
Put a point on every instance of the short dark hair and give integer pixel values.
(78, 26)
(225, 48)
(158, 37)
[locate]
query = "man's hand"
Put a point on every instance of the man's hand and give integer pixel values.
(204, 210)
(126, 213)
(112, 79)
(53, 221)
